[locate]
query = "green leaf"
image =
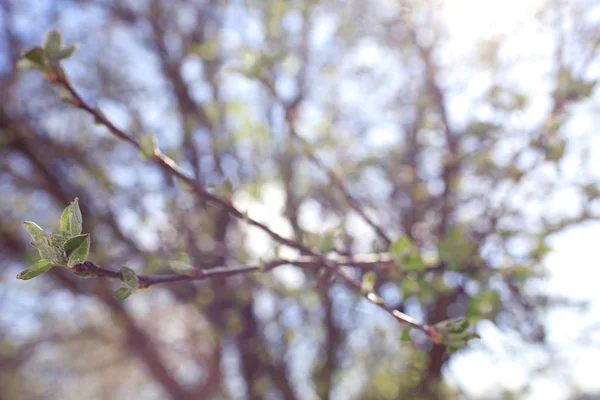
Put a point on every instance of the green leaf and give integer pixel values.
(148, 146)
(182, 267)
(555, 149)
(53, 44)
(414, 263)
(50, 252)
(35, 269)
(454, 326)
(327, 244)
(368, 282)
(405, 337)
(456, 248)
(28, 64)
(400, 247)
(183, 257)
(77, 249)
(35, 231)
(128, 277)
(36, 56)
(123, 293)
(59, 239)
(71, 221)
(67, 52)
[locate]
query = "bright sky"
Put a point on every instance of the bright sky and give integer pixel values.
(573, 267)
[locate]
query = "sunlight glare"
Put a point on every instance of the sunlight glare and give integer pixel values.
(471, 20)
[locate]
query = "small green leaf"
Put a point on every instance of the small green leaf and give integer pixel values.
(50, 252)
(414, 263)
(454, 326)
(128, 277)
(35, 269)
(368, 282)
(123, 293)
(405, 337)
(327, 244)
(67, 52)
(71, 221)
(36, 56)
(400, 247)
(77, 249)
(182, 267)
(59, 239)
(183, 257)
(148, 146)
(35, 231)
(555, 149)
(28, 64)
(53, 44)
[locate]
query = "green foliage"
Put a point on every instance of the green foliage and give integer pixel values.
(77, 249)
(570, 88)
(52, 44)
(50, 251)
(405, 336)
(35, 59)
(554, 149)
(368, 282)
(480, 128)
(123, 293)
(67, 247)
(328, 243)
(483, 305)
(129, 277)
(34, 230)
(36, 269)
(51, 52)
(454, 333)
(71, 221)
(407, 255)
(456, 249)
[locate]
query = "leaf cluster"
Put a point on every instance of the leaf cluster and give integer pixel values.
(68, 247)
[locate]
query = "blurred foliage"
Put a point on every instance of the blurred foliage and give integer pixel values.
(274, 105)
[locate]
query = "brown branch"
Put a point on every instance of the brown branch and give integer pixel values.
(170, 166)
(91, 269)
(367, 262)
(58, 77)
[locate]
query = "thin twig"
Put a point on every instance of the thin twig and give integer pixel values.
(168, 164)
(333, 177)
(171, 167)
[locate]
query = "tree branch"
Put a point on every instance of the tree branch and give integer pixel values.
(58, 77)
(290, 110)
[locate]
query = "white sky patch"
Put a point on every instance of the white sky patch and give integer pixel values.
(471, 19)
(269, 210)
